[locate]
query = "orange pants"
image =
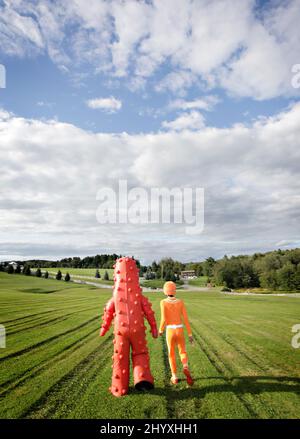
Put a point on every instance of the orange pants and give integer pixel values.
(175, 337)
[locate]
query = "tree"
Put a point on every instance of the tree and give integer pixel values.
(97, 275)
(46, 275)
(27, 270)
(67, 277)
(18, 269)
(208, 266)
(38, 272)
(106, 275)
(10, 269)
(58, 275)
(169, 275)
(199, 270)
(286, 277)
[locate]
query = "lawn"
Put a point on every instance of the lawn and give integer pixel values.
(56, 366)
(81, 271)
(199, 282)
(85, 274)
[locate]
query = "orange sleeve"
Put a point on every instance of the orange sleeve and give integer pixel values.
(162, 317)
(186, 320)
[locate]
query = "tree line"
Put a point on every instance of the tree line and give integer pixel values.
(97, 261)
(27, 271)
(275, 270)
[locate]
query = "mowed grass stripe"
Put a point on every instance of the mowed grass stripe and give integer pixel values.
(44, 361)
(224, 372)
(238, 361)
(70, 387)
(19, 401)
(236, 369)
(43, 320)
(49, 339)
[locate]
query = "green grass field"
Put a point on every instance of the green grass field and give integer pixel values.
(81, 271)
(199, 282)
(56, 366)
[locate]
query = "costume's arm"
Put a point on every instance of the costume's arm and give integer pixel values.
(149, 314)
(162, 318)
(108, 315)
(186, 320)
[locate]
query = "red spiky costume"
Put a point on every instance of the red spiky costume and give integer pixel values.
(129, 307)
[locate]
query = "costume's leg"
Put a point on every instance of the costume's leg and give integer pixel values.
(140, 362)
(181, 347)
(171, 343)
(120, 376)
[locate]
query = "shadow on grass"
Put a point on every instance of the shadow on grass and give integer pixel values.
(239, 385)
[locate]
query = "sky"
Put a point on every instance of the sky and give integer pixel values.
(161, 94)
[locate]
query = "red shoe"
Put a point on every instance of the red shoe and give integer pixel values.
(189, 378)
(174, 380)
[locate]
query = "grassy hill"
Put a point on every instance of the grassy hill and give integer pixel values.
(56, 366)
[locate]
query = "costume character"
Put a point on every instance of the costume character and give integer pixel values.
(173, 312)
(128, 307)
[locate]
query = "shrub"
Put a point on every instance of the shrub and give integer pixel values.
(46, 275)
(38, 272)
(18, 269)
(58, 275)
(67, 277)
(226, 290)
(106, 276)
(27, 270)
(10, 269)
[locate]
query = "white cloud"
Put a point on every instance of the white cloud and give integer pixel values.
(177, 82)
(110, 105)
(192, 121)
(224, 43)
(49, 180)
(205, 103)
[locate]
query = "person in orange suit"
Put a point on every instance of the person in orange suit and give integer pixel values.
(173, 312)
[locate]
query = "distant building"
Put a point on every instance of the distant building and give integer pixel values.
(188, 274)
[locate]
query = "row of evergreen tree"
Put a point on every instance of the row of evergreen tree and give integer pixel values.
(27, 271)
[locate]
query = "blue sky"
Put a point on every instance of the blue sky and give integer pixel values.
(37, 88)
(179, 93)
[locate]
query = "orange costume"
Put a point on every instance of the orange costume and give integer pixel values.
(173, 311)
